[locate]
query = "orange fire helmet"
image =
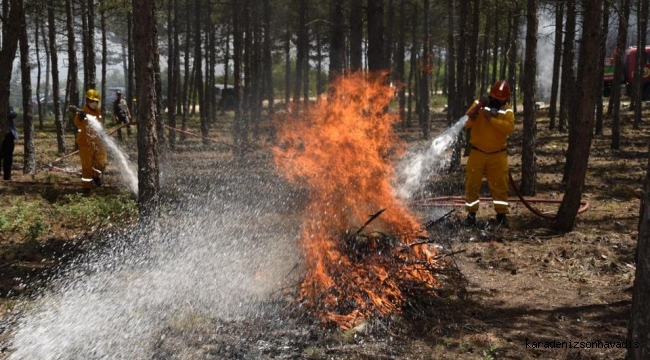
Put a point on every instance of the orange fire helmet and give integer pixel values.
(500, 91)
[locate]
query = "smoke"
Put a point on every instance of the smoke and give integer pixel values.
(545, 53)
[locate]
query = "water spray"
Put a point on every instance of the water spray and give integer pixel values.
(418, 166)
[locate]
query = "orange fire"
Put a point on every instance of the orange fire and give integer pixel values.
(340, 150)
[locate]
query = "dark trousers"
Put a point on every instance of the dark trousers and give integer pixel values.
(7, 155)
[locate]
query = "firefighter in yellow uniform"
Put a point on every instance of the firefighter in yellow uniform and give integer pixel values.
(91, 148)
(491, 120)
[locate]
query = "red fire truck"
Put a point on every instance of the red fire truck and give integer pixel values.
(629, 65)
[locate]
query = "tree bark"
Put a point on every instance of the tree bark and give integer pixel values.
(72, 87)
(102, 21)
(586, 101)
(528, 157)
(302, 47)
(566, 92)
(144, 34)
(399, 59)
(268, 59)
(424, 120)
(557, 56)
(615, 98)
(172, 65)
(56, 102)
(41, 112)
(639, 84)
(639, 324)
(337, 40)
(90, 61)
(29, 157)
(356, 32)
(603, 44)
(375, 13)
(12, 30)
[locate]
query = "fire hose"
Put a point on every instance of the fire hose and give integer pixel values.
(460, 201)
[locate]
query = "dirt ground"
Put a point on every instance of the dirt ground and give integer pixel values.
(527, 286)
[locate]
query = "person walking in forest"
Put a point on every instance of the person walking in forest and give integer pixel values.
(121, 113)
(91, 148)
(8, 144)
(491, 120)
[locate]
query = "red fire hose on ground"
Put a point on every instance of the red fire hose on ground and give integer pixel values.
(443, 201)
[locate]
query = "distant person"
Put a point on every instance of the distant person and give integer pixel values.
(8, 144)
(121, 113)
(491, 120)
(91, 147)
(121, 109)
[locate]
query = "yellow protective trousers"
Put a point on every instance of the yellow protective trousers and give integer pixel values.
(495, 165)
(93, 161)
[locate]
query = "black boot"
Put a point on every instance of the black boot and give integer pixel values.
(97, 180)
(470, 220)
(502, 220)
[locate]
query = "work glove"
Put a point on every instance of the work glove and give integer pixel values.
(484, 100)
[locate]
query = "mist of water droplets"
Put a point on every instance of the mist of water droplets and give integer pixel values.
(418, 165)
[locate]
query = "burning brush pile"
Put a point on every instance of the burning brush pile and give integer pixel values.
(366, 253)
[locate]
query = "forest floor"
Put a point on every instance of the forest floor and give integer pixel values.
(527, 284)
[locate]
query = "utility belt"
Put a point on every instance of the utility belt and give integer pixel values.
(490, 152)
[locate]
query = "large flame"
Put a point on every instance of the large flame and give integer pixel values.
(340, 149)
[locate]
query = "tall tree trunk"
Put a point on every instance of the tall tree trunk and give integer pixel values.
(485, 59)
(48, 61)
(83, 13)
(29, 158)
(41, 112)
(557, 56)
(495, 44)
(188, 75)
(337, 39)
(566, 92)
(615, 98)
(130, 77)
(473, 51)
(528, 163)
(302, 48)
(226, 62)
(102, 21)
(287, 65)
(388, 44)
(424, 81)
(90, 61)
(639, 324)
(586, 101)
(603, 44)
(238, 128)
(376, 59)
(399, 59)
(512, 58)
(639, 84)
(145, 34)
(173, 58)
(268, 58)
(198, 66)
(356, 32)
(452, 100)
(11, 30)
(56, 102)
(72, 87)
(160, 124)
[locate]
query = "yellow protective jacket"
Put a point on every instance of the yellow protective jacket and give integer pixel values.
(86, 136)
(491, 135)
